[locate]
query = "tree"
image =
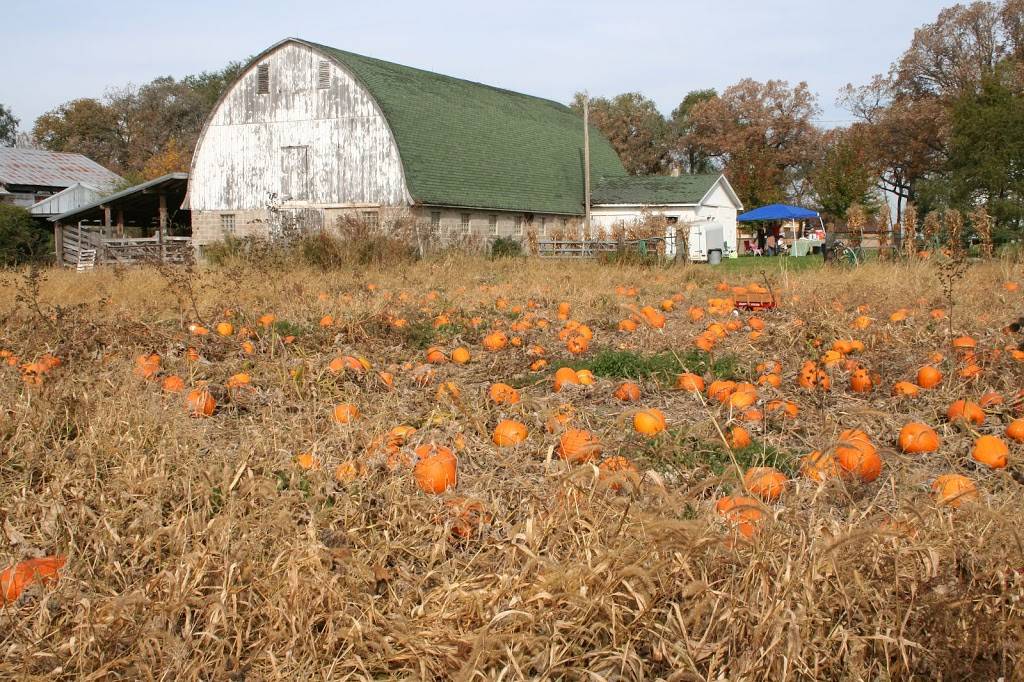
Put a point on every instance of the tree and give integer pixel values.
(20, 240)
(8, 127)
(763, 135)
(84, 126)
(845, 174)
(986, 160)
(690, 157)
(634, 126)
(171, 159)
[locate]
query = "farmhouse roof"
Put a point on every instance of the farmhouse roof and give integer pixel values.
(476, 146)
(38, 167)
(653, 190)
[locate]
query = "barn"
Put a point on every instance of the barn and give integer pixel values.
(321, 133)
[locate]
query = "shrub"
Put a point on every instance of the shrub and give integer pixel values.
(21, 241)
(506, 247)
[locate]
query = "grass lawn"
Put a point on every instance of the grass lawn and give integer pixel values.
(770, 264)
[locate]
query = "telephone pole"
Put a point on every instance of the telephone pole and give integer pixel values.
(586, 164)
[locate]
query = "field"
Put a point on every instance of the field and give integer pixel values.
(284, 537)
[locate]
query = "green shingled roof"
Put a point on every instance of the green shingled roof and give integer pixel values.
(476, 146)
(657, 190)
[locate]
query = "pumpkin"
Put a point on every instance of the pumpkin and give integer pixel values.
(953, 490)
(565, 376)
(773, 380)
(721, 389)
(964, 343)
(563, 310)
(15, 579)
(585, 377)
(905, 389)
(200, 403)
(173, 384)
(819, 466)
(990, 451)
(627, 326)
(928, 377)
(147, 366)
(225, 328)
(743, 513)
(448, 389)
(917, 437)
(627, 392)
(577, 345)
(1015, 430)
(618, 470)
(238, 380)
(198, 329)
(348, 471)
(503, 394)
(509, 432)
(307, 461)
(695, 313)
(649, 422)
(495, 341)
(578, 446)
(860, 381)
(652, 317)
(990, 399)
(743, 397)
(967, 411)
(788, 409)
(436, 356)
(267, 320)
(768, 483)
(559, 417)
(344, 413)
(857, 456)
(436, 468)
(739, 438)
(467, 516)
(460, 355)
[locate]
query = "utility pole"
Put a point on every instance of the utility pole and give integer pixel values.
(586, 164)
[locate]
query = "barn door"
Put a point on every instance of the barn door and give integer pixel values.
(294, 173)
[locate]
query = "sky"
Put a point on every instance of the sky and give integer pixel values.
(62, 51)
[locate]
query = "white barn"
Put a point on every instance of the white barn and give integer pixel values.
(683, 199)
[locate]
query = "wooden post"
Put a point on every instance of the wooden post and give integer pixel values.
(106, 231)
(163, 225)
(586, 164)
(120, 222)
(58, 242)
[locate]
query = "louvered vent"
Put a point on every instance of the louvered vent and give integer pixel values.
(263, 79)
(323, 75)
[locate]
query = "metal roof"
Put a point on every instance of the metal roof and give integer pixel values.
(51, 169)
(139, 199)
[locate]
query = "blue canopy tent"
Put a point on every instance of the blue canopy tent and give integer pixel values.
(780, 212)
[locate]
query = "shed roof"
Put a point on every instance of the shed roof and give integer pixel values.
(653, 190)
(51, 169)
(139, 203)
(477, 146)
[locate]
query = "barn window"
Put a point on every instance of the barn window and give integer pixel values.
(323, 75)
(465, 223)
(370, 218)
(492, 222)
(227, 224)
(435, 219)
(263, 79)
(519, 225)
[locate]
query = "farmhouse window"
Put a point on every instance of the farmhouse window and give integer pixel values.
(263, 79)
(227, 223)
(323, 75)
(519, 225)
(435, 219)
(465, 223)
(492, 222)
(672, 220)
(370, 218)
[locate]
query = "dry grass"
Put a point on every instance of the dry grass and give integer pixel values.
(199, 550)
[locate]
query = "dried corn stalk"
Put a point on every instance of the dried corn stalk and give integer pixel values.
(954, 229)
(910, 231)
(982, 223)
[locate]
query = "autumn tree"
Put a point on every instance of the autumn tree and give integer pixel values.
(689, 156)
(8, 127)
(85, 126)
(844, 174)
(171, 159)
(634, 127)
(762, 134)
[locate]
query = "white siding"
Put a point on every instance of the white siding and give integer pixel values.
(242, 157)
(66, 200)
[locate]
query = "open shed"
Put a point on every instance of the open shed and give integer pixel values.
(144, 222)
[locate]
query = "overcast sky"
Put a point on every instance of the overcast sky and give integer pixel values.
(58, 51)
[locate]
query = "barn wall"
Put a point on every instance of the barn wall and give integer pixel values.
(252, 146)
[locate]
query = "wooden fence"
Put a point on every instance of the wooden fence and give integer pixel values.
(84, 247)
(592, 248)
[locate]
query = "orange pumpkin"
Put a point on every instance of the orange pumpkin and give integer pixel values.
(1015, 430)
(578, 446)
(917, 437)
(953, 490)
(819, 466)
(928, 377)
(857, 456)
(147, 366)
(860, 381)
(990, 451)
(495, 341)
(768, 483)
(905, 389)
(628, 392)
(508, 432)
(617, 471)
(436, 468)
(691, 382)
(436, 356)
(649, 422)
(565, 376)
(967, 411)
(460, 355)
(503, 394)
(15, 579)
(743, 513)
(225, 328)
(200, 403)
(739, 438)
(344, 413)
(173, 384)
